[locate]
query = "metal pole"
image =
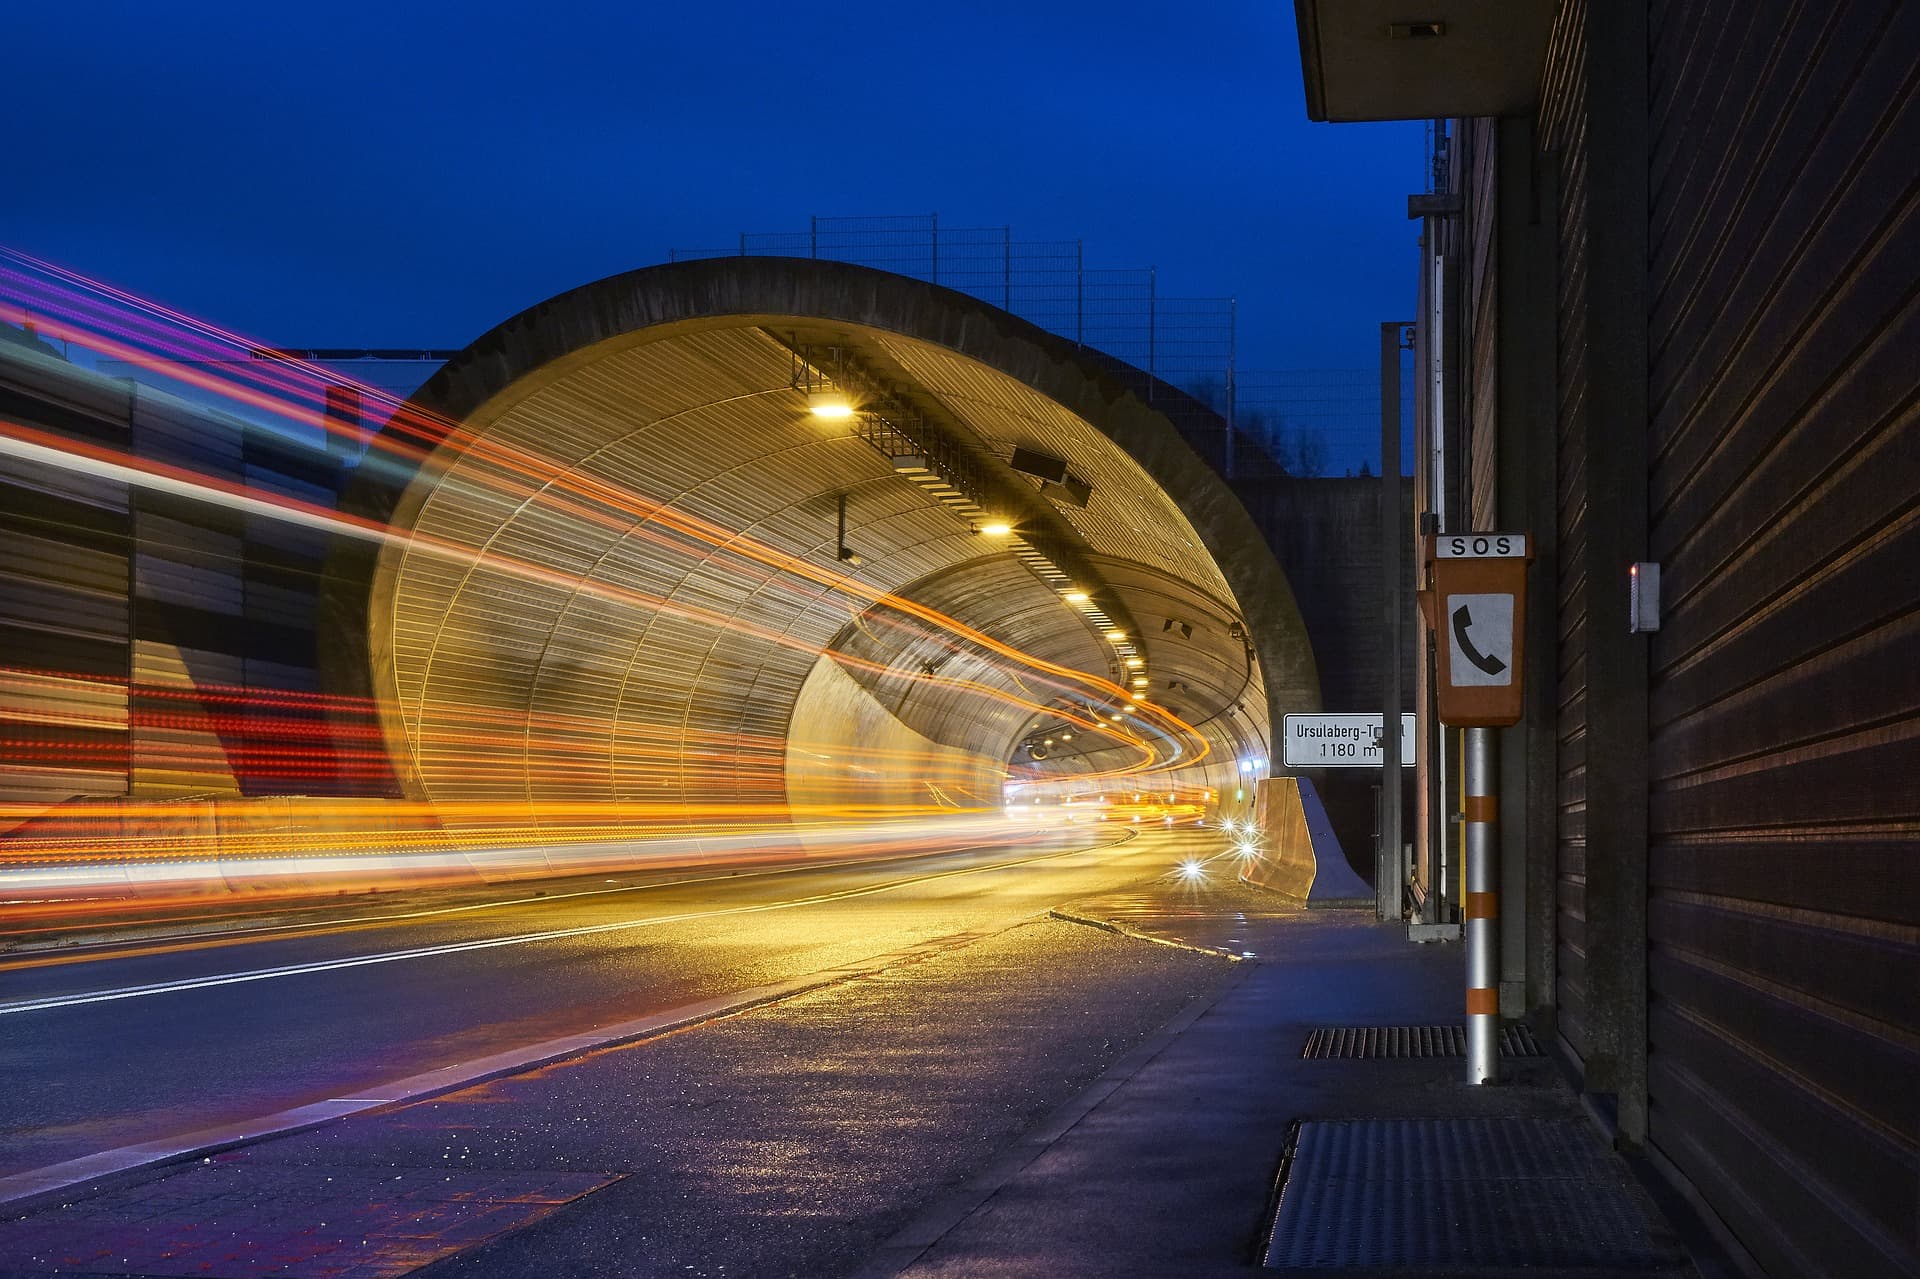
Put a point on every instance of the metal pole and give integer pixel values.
(1153, 316)
(1080, 292)
(1233, 337)
(1389, 890)
(813, 236)
(936, 249)
(1440, 501)
(1482, 914)
(1006, 267)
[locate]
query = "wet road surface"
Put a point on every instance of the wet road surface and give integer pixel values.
(115, 1044)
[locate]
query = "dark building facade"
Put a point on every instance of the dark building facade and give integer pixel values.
(1672, 288)
(157, 646)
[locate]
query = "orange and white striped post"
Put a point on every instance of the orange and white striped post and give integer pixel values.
(1482, 913)
(1476, 605)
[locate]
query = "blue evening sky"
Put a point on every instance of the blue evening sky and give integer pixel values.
(412, 173)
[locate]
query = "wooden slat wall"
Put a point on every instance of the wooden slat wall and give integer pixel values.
(188, 623)
(63, 596)
(1784, 854)
(284, 743)
(1479, 150)
(1563, 134)
(150, 644)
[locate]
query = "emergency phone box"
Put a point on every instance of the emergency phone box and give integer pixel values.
(1476, 603)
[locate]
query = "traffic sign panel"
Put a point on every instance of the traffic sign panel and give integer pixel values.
(1342, 741)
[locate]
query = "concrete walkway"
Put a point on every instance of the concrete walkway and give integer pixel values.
(1168, 1164)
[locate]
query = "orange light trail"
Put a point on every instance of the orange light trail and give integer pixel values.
(437, 431)
(315, 740)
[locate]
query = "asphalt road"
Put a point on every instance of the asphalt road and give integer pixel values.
(118, 1043)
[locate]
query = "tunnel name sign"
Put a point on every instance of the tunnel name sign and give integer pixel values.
(1341, 741)
(1476, 604)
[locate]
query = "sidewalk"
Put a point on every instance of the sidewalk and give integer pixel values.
(1168, 1165)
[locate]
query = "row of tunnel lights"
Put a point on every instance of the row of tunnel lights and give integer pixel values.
(833, 405)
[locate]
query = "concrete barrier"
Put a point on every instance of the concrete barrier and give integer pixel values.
(1298, 855)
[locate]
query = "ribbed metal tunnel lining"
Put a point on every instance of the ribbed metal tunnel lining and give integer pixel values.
(630, 660)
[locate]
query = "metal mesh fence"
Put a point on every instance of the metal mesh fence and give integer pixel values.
(1046, 282)
(1322, 421)
(1316, 422)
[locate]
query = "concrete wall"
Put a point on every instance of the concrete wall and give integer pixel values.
(1326, 535)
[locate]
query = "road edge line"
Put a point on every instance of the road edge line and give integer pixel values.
(1120, 930)
(36, 1188)
(948, 1211)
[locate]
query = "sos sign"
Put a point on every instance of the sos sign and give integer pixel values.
(1476, 602)
(1477, 546)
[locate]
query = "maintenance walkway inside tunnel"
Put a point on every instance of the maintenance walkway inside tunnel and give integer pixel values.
(1113, 1088)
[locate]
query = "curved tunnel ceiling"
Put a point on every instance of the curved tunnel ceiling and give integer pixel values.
(624, 580)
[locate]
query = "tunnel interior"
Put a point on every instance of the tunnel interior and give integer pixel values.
(652, 561)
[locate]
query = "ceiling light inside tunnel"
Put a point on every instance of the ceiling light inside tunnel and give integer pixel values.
(829, 404)
(996, 528)
(1135, 662)
(1077, 597)
(1116, 635)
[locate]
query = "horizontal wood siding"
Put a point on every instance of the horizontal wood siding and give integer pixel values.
(151, 644)
(1563, 134)
(1784, 814)
(64, 647)
(1483, 334)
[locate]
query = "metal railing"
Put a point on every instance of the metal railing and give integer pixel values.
(1301, 422)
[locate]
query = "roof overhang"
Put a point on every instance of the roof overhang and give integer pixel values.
(1394, 60)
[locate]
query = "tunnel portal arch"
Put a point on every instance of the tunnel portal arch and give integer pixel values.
(638, 450)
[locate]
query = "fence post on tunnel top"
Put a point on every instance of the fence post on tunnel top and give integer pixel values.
(1080, 292)
(1482, 909)
(1475, 601)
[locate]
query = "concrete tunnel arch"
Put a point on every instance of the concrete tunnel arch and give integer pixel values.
(675, 382)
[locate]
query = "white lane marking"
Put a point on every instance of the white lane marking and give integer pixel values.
(734, 877)
(432, 1083)
(453, 948)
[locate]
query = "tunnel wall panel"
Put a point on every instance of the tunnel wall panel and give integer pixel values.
(840, 733)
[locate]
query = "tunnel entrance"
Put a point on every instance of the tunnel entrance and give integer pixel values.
(760, 535)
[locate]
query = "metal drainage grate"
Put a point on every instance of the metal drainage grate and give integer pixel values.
(1410, 1041)
(1459, 1192)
